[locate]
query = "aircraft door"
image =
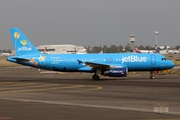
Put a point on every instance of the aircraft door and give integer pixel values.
(153, 59)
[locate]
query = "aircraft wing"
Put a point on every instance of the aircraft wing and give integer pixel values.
(102, 66)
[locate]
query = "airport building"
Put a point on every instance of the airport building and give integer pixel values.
(62, 49)
(163, 47)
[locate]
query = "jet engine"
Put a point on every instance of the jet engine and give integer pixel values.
(116, 72)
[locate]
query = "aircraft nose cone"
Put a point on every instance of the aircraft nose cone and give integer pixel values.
(171, 64)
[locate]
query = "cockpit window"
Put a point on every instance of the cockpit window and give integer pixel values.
(163, 58)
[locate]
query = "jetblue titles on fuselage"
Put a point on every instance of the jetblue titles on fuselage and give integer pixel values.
(133, 58)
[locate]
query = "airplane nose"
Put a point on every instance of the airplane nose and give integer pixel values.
(171, 64)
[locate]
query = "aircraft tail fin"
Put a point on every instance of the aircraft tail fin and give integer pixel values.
(137, 50)
(22, 44)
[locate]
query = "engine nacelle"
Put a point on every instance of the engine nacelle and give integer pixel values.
(116, 72)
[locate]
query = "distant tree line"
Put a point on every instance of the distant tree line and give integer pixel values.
(112, 49)
(120, 48)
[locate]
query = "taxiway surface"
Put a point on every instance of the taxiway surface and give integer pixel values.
(26, 94)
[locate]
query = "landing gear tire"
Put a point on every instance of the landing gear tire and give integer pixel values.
(151, 77)
(95, 77)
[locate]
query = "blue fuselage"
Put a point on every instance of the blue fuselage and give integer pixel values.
(77, 62)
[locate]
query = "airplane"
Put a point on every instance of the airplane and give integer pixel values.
(142, 51)
(107, 64)
(153, 51)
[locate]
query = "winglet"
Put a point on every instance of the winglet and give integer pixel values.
(80, 62)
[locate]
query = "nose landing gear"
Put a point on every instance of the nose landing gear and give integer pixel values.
(151, 75)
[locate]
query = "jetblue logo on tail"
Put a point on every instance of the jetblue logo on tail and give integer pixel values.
(24, 47)
(24, 43)
(133, 58)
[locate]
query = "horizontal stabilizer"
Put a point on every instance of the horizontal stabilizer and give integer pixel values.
(20, 58)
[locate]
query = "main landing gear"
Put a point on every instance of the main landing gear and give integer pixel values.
(151, 75)
(96, 76)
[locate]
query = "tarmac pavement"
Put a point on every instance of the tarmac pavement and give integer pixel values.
(27, 94)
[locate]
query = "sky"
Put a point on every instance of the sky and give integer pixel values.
(91, 22)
